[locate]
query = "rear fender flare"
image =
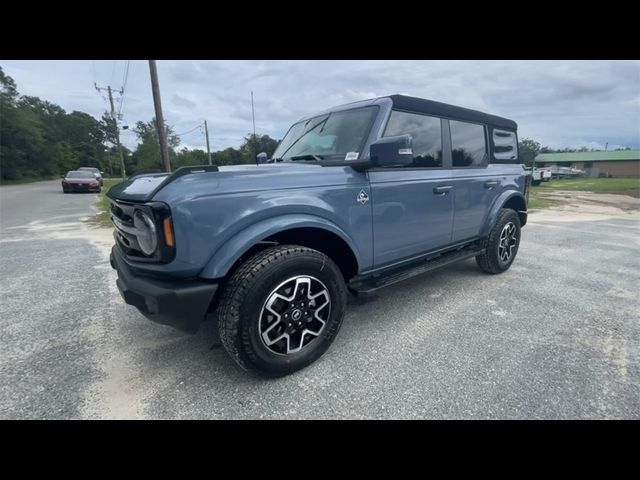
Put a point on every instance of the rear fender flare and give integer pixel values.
(499, 203)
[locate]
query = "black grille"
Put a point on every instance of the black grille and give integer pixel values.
(124, 230)
(122, 220)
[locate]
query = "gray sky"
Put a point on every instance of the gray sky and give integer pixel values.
(558, 103)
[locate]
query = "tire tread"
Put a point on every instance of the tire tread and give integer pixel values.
(235, 290)
(488, 262)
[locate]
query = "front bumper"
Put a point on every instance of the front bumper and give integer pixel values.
(179, 303)
(81, 187)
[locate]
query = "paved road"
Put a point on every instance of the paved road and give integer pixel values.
(557, 336)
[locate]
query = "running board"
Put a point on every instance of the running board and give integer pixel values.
(367, 285)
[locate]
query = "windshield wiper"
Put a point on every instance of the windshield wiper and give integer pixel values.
(322, 122)
(308, 156)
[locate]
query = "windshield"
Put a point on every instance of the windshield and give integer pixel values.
(334, 135)
(89, 169)
(80, 175)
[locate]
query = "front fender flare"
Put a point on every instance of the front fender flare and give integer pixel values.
(499, 202)
(228, 254)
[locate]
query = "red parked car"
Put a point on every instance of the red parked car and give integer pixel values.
(80, 181)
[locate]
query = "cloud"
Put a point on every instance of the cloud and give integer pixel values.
(181, 101)
(558, 103)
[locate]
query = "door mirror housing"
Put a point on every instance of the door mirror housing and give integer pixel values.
(392, 151)
(261, 158)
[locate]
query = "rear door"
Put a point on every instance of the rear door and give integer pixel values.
(476, 183)
(412, 205)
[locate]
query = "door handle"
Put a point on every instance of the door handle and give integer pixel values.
(491, 183)
(442, 190)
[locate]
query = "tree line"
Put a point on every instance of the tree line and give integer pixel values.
(39, 139)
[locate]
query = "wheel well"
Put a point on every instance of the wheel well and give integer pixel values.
(324, 241)
(519, 205)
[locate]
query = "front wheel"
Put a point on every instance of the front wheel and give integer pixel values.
(281, 309)
(502, 243)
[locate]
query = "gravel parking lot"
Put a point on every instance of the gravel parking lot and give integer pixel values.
(555, 337)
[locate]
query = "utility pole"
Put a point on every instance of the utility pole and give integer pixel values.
(206, 132)
(253, 116)
(162, 131)
(109, 161)
(115, 120)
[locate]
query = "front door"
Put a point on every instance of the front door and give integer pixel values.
(412, 205)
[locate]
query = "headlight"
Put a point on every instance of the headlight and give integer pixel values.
(145, 232)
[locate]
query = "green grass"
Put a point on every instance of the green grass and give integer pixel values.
(621, 186)
(537, 202)
(102, 218)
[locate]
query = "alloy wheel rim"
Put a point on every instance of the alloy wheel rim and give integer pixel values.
(294, 314)
(507, 242)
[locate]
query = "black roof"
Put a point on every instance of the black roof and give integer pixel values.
(420, 105)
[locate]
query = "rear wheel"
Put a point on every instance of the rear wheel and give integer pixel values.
(502, 243)
(281, 309)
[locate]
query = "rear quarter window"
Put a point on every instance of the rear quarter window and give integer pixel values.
(505, 146)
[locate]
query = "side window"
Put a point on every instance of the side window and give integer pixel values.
(468, 146)
(426, 133)
(505, 146)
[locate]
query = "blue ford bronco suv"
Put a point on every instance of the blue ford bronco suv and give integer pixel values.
(355, 198)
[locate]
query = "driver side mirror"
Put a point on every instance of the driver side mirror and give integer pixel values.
(261, 158)
(392, 151)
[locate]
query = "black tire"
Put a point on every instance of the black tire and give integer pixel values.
(243, 303)
(491, 261)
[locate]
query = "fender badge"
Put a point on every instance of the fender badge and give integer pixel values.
(362, 197)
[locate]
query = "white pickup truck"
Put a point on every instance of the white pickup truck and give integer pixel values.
(539, 175)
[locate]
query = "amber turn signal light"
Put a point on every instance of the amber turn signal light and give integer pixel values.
(168, 232)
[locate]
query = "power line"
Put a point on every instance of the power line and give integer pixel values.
(126, 74)
(95, 84)
(199, 132)
(124, 85)
(112, 114)
(189, 131)
(113, 71)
